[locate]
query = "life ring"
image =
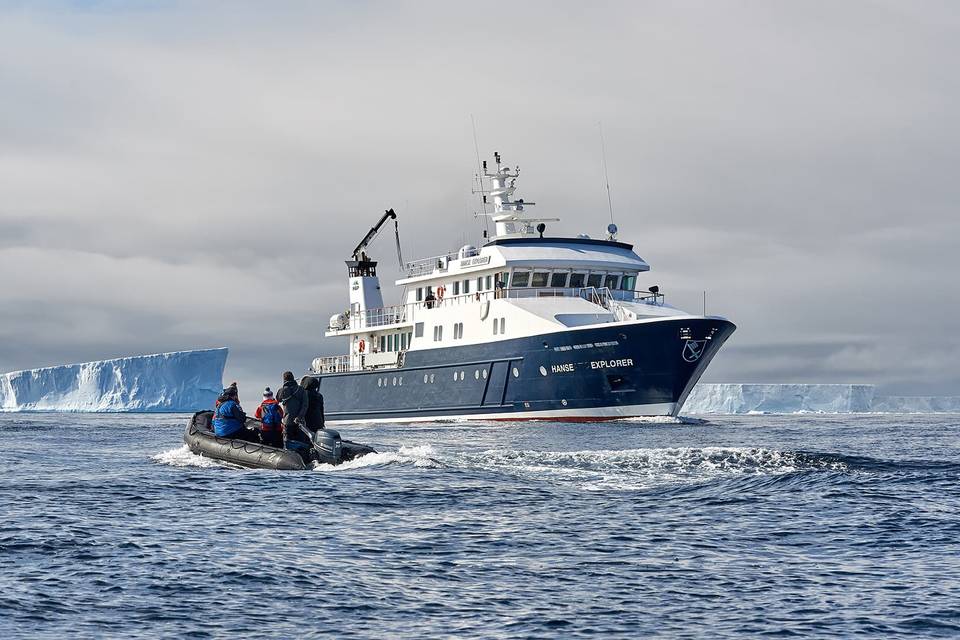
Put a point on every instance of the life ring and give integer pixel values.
(361, 346)
(440, 291)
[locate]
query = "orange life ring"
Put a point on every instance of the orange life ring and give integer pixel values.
(440, 291)
(362, 345)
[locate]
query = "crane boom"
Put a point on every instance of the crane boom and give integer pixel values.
(367, 239)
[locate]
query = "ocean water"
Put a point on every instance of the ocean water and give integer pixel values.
(798, 526)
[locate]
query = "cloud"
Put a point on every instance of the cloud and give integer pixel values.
(178, 175)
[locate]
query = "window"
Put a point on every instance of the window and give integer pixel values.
(457, 330)
(496, 327)
(577, 280)
(466, 287)
(558, 280)
(594, 279)
(418, 329)
(479, 283)
(390, 342)
(628, 283)
(383, 343)
(419, 294)
(520, 279)
(540, 279)
(456, 287)
(489, 283)
(403, 341)
(612, 281)
(503, 330)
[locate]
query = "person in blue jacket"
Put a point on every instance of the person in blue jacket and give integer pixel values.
(229, 420)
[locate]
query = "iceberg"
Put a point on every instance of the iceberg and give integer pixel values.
(180, 381)
(779, 398)
(916, 404)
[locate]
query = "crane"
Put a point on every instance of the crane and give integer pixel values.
(367, 239)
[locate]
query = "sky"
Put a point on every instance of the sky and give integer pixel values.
(190, 175)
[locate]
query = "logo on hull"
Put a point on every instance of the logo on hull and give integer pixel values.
(693, 349)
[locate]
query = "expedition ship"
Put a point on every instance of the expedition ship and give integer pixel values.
(525, 327)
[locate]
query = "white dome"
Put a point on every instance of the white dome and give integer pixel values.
(467, 250)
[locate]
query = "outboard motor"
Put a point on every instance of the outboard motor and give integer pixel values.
(327, 446)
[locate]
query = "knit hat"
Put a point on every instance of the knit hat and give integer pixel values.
(230, 391)
(267, 393)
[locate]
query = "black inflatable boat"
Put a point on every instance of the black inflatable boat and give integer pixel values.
(327, 448)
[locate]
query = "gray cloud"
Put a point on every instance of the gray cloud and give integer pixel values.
(176, 176)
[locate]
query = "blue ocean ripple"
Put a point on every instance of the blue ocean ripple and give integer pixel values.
(794, 526)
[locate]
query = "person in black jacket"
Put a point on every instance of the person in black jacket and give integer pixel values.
(314, 417)
(293, 399)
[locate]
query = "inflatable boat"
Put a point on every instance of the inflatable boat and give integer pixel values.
(327, 447)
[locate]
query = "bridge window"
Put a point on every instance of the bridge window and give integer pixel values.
(559, 279)
(540, 279)
(594, 279)
(628, 283)
(520, 279)
(577, 280)
(612, 281)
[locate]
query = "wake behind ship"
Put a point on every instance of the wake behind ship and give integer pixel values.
(525, 327)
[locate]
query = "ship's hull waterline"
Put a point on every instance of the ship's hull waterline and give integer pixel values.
(601, 372)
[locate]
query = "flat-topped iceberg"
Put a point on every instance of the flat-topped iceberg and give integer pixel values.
(163, 382)
(779, 398)
(808, 398)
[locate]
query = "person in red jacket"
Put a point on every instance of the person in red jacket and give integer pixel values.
(270, 415)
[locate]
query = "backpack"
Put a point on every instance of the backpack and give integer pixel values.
(271, 414)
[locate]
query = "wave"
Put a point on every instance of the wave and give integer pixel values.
(183, 457)
(417, 456)
(646, 468)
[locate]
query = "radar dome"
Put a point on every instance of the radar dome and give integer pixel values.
(467, 250)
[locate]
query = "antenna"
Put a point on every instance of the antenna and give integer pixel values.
(481, 168)
(606, 176)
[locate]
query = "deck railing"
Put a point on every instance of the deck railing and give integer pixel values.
(404, 313)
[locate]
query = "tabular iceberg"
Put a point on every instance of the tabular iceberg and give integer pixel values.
(779, 398)
(163, 382)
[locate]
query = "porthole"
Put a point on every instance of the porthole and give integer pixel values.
(431, 378)
(456, 376)
(463, 375)
(563, 402)
(379, 382)
(516, 372)
(400, 381)
(476, 374)
(425, 378)
(394, 382)
(484, 374)
(543, 371)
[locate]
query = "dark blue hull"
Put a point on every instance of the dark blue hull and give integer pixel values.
(594, 373)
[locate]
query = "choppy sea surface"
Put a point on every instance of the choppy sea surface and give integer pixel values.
(804, 526)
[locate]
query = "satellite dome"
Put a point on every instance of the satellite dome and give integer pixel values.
(467, 250)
